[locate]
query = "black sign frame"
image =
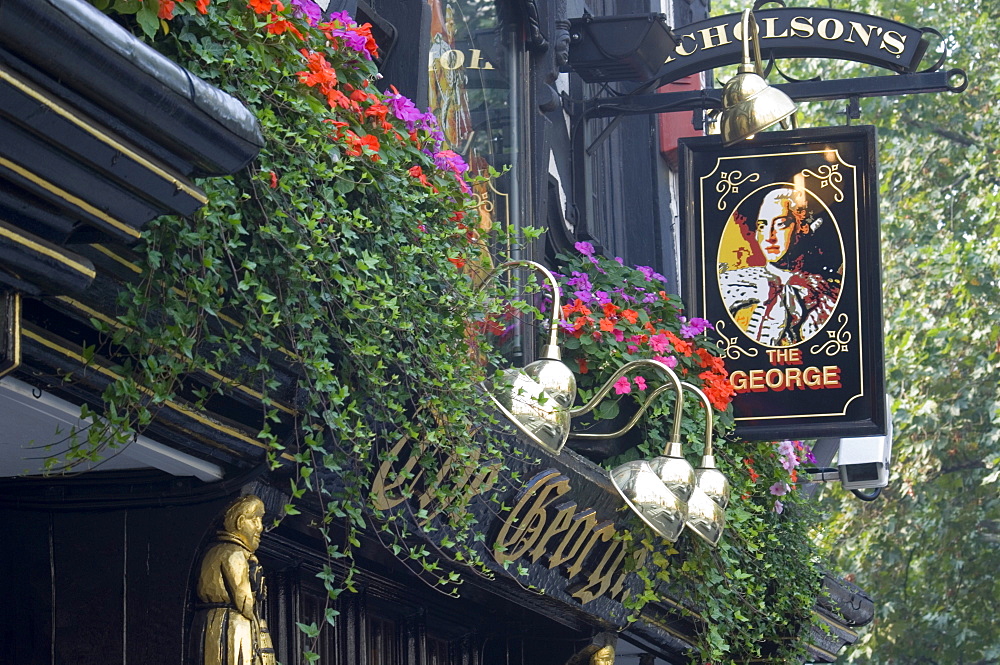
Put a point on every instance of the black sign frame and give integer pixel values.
(801, 339)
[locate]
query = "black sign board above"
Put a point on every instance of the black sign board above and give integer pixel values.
(797, 32)
(781, 247)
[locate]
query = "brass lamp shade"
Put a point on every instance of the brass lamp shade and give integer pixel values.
(749, 104)
(674, 471)
(705, 518)
(662, 510)
(553, 376)
(712, 481)
(533, 410)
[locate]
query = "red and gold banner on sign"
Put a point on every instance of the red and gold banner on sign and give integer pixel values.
(781, 254)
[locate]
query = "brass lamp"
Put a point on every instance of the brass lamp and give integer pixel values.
(538, 397)
(657, 490)
(707, 505)
(749, 104)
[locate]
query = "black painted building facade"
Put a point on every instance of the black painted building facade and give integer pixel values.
(98, 135)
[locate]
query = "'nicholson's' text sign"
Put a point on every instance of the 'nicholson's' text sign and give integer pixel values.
(797, 32)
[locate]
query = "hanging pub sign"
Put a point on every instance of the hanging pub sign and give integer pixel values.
(781, 249)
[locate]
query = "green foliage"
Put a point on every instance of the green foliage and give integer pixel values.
(926, 550)
(333, 258)
(752, 595)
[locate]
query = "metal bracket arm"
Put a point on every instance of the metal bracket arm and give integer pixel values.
(954, 80)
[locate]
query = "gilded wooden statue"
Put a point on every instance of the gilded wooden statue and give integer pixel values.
(603, 656)
(228, 627)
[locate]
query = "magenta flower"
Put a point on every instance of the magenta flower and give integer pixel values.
(618, 334)
(580, 279)
(659, 343)
(651, 274)
(310, 9)
(584, 248)
(623, 386)
(640, 383)
(694, 327)
(403, 108)
(449, 160)
(669, 361)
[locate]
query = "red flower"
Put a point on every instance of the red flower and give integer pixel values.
(274, 180)
(582, 362)
(679, 345)
(459, 262)
(262, 6)
(607, 325)
(631, 316)
(577, 306)
(320, 73)
(370, 141)
(280, 26)
(365, 30)
(166, 10)
(201, 6)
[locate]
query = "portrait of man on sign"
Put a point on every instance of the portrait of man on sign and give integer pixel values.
(780, 265)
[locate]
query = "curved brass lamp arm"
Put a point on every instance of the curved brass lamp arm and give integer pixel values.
(751, 67)
(622, 371)
(631, 423)
(551, 350)
(709, 422)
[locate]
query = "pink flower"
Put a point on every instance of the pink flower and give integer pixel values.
(779, 489)
(622, 386)
(619, 335)
(659, 343)
(778, 506)
(669, 361)
(640, 383)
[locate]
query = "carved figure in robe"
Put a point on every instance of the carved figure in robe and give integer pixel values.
(228, 628)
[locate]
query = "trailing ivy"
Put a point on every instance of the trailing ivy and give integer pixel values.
(338, 257)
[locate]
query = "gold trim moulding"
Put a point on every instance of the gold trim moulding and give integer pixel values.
(39, 246)
(102, 217)
(178, 181)
(232, 383)
(61, 347)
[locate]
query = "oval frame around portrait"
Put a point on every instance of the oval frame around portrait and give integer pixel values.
(732, 239)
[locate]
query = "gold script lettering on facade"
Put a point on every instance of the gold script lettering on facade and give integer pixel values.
(228, 626)
(400, 477)
(539, 526)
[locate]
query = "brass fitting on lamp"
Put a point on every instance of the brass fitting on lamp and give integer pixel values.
(707, 505)
(749, 104)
